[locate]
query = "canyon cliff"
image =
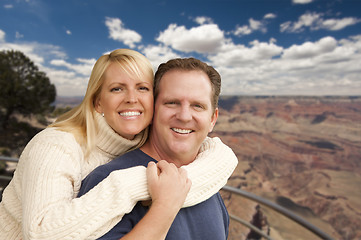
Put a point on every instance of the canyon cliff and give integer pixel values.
(303, 153)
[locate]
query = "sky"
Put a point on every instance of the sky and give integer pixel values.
(260, 47)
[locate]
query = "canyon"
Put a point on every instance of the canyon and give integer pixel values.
(303, 153)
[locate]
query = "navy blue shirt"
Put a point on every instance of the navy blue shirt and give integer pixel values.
(208, 220)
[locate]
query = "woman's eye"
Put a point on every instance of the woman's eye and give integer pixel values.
(144, 88)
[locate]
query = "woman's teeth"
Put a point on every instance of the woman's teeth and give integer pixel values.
(129, 114)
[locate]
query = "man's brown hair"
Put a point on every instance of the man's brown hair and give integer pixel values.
(190, 64)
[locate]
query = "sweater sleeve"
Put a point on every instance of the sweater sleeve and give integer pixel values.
(210, 171)
(50, 176)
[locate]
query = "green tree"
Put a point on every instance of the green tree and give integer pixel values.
(23, 88)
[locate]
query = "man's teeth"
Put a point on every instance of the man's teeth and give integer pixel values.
(182, 131)
(129, 114)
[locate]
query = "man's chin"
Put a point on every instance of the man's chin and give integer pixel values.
(185, 155)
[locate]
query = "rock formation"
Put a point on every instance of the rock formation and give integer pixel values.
(300, 150)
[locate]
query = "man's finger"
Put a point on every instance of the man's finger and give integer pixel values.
(152, 171)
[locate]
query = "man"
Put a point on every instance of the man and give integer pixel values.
(186, 96)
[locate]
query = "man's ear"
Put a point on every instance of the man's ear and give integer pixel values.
(213, 120)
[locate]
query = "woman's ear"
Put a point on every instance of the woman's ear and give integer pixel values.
(97, 105)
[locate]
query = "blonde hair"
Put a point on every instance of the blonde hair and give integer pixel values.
(80, 120)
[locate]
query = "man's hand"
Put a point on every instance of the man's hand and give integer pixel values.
(168, 185)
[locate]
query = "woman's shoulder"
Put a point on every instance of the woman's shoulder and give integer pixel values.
(51, 143)
(54, 133)
(53, 136)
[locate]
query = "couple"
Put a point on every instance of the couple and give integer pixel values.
(41, 201)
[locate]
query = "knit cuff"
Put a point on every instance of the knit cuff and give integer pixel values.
(210, 171)
(134, 182)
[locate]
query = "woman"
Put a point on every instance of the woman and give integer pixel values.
(40, 203)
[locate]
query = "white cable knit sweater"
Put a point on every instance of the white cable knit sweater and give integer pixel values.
(39, 203)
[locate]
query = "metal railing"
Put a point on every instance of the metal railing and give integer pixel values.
(7, 159)
(285, 212)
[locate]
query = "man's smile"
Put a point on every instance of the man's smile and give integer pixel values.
(182, 131)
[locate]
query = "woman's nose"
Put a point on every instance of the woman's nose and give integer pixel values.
(131, 96)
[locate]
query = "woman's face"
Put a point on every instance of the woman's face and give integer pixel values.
(127, 103)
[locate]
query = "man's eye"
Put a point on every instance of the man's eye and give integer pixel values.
(171, 103)
(116, 89)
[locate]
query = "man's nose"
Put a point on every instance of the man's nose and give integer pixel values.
(184, 113)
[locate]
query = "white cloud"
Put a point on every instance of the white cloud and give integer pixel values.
(326, 66)
(67, 82)
(315, 21)
(202, 39)
(203, 20)
(310, 49)
(90, 62)
(84, 68)
(232, 55)
(29, 49)
(118, 32)
(8, 6)
(2, 36)
(257, 25)
(158, 54)
(270, 16)
(74, 79)
(302, 1)
(253, 25)
(338, 24)
(68, 32)
(18, 35)
(243, 30)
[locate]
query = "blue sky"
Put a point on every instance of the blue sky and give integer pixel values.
(260, 47)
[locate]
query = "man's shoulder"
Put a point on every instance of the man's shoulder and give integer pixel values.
(130, 159)
(127, 160)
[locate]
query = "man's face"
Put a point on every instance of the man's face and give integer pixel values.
(183, 115)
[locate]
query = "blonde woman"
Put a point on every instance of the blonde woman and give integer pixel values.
(40, 202)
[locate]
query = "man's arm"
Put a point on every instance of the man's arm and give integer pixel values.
(168, 190)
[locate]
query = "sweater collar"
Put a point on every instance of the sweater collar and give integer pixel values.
(111, 142)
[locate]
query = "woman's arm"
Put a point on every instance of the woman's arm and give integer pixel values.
(210, 171)
(49, 176)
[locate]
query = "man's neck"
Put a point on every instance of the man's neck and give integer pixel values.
(151, 149)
